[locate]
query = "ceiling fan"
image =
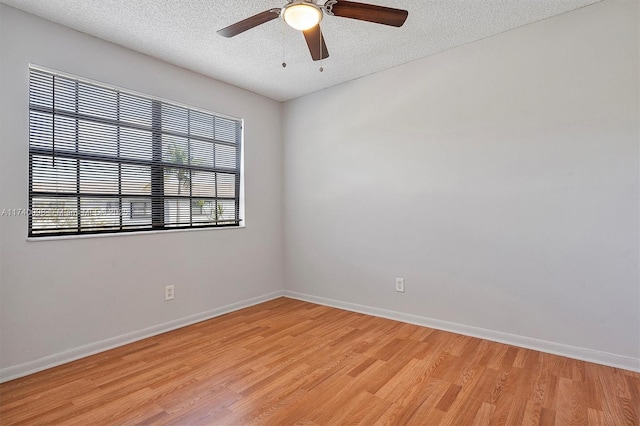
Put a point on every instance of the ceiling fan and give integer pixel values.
(305, 16)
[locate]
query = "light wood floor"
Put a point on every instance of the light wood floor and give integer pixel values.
(290, 362)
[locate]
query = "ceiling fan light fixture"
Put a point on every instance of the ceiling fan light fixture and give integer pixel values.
(302, 15)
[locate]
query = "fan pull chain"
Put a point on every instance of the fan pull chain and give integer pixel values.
(321, 55)
(284, 62)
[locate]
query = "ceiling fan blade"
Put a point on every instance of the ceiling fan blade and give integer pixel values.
(368, 12)
(315, 41)
(251, 22)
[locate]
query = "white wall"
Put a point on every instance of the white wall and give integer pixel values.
(500, 179)
(61, 298)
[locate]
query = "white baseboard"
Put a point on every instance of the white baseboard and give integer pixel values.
(583, 354)
(21, 370)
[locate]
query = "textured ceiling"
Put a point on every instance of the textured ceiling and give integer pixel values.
(183, 32)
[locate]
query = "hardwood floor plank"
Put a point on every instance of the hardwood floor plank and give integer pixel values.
(532, 413)
(548, 418)
(427, 413)
(368, 362)
(447, 399)
(501, 412)
(410, 401)
(462, 413)
(483, 416)
(292, 362)
(570, 408)
(595, 417)
(516, 411)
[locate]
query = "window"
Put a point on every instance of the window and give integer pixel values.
(139, 209)
(104, 160)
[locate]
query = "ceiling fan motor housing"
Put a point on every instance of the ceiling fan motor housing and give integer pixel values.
(328, 6)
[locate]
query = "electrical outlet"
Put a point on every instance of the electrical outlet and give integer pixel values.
(168, 292)
(400, 285)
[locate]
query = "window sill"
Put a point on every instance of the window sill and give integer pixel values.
(129, 234)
